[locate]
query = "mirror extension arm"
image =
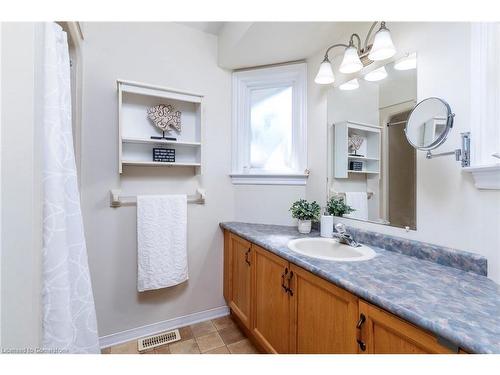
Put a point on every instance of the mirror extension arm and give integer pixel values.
(461, 154)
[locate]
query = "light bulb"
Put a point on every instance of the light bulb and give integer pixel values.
(376, 75)
(406, 63)
(382, 47)
(353, 84)
(351, 62)
(325, 73)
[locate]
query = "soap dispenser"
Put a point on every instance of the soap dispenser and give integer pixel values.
(326, 225)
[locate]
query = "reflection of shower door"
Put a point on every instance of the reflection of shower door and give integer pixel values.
(402, 174)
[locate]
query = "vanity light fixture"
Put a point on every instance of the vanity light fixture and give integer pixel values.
(357, 56)
(351, 62)
(382, 48)
(325, 74)
(353, 84)
(407, 62)
(376, 75)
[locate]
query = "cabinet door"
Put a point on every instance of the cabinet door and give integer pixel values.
(384, 333)
(241, 259)
(227, 266)
(324, 316)
(271, 323)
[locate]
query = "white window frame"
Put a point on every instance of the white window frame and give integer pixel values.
(485, 101)
(295, 75)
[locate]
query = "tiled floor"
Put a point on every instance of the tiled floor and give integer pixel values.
(218, 336)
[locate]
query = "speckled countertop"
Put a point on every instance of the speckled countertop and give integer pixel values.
(462, 307)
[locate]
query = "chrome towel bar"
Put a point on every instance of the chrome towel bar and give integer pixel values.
(118, 200)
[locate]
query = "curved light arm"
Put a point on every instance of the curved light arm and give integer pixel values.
(358, 39)
(332, 47)
(370, 33)
(351, 41)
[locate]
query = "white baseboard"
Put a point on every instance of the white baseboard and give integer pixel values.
(152, 329)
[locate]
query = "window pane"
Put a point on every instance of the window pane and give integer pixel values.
(271, 129)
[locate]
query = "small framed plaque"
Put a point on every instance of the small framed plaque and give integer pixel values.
(356, 165)
(165, 155)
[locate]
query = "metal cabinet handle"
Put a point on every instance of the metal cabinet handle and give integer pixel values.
(290, 291)
(283, 280)
(359, 324)
(362, 319)
(246, 256)
(361, 345)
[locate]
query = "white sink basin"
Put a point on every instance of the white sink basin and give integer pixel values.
(330, 249)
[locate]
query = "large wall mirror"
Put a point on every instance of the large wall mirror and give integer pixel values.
(371, 164)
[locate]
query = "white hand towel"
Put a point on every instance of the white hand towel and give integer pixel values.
(162, 241)
(358, 201)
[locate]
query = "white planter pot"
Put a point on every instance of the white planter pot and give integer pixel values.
(304, 226)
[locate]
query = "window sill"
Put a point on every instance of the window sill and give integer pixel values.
(269, 179)
(485, 176)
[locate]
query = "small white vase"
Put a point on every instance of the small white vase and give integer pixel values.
(304, 226)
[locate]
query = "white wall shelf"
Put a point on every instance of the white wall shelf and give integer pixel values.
(159, 164)
(485, 176)
(160, 141)
(371, 148)
(364, 171)
(135, 129)
(361, 158)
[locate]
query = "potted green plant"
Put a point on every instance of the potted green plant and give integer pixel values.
(305, 212)
(337, 207)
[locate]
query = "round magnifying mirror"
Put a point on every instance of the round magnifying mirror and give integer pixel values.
(429, 123)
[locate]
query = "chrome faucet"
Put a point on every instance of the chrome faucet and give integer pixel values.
(344, 237)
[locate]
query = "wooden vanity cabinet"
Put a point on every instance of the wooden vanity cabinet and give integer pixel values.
(324, 316)
(286, 309)
(384, 333)
(238, 285)
(295, 311)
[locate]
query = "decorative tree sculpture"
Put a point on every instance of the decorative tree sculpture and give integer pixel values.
(355, 142)
(165, 118)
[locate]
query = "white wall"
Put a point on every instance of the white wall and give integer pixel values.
(400, 86)
(450, 210)
(171, 55)
(268, 204)
(359, 105)
(21, 192)
(250, 44)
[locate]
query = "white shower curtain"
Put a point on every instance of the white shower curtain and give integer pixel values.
(69, 321)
